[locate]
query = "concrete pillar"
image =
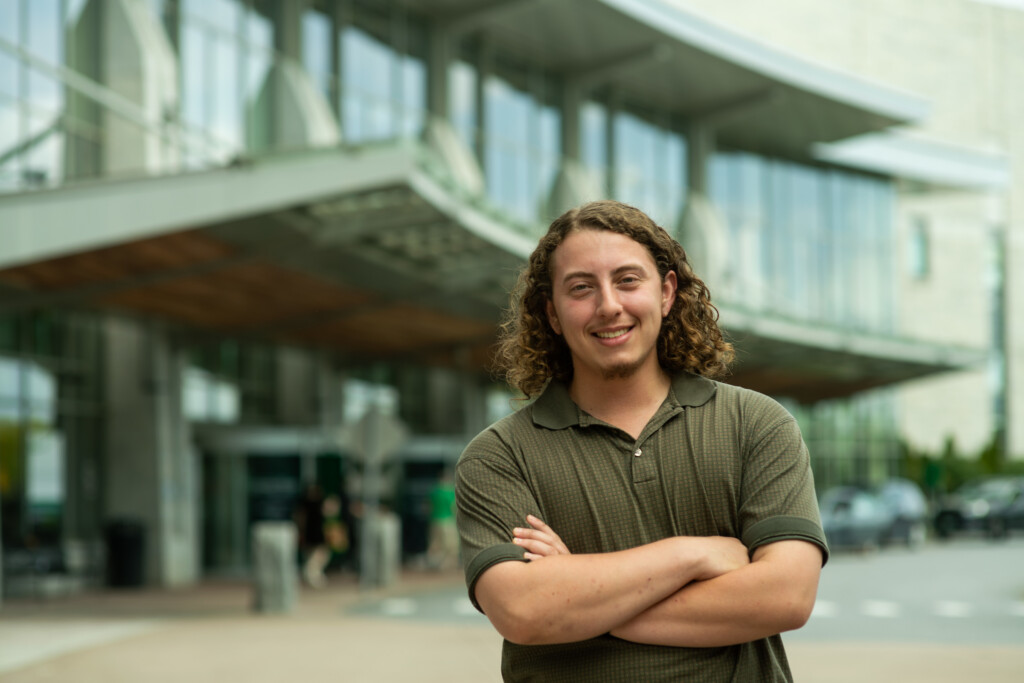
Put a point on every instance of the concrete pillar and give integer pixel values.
(439, 57)
(296, 387)
(700, 145)
(288, 28)
(572, 102)
(123, 46)
(484, 67)
(574, 184)
(701, 230)
(290, 112)
(150, 468)
(612, 111)
(275, 574)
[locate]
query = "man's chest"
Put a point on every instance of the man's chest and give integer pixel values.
(602, 491)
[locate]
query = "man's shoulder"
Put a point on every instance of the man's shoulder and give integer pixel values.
(752, 404)
(503, 433)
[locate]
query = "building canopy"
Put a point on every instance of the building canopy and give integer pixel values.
(378, 252)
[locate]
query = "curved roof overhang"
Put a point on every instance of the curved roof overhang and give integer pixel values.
(665, 57)
(920, 162)
(809, 362)
(370, 253)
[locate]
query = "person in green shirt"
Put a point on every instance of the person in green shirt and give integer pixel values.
(680, 531)
(443, 546)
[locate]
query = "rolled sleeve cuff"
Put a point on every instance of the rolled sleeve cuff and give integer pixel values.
(786, 529)
(487, 558)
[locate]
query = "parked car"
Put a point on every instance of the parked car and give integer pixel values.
(909, 509)
(854, 518)
(981, 505)
(1008, 517)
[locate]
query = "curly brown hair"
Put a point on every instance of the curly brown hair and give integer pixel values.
(530, 353)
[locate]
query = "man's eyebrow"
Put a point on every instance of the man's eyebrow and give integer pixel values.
(618, 271)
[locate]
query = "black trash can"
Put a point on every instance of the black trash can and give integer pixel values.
(126, 546)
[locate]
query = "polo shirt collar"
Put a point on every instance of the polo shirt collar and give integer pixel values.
(555, 409)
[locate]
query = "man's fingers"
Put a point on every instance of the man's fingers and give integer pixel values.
(536, 545)
(537, 523)
(540, 525)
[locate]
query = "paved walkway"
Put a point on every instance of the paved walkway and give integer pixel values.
(208, 634)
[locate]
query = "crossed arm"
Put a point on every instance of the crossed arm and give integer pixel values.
(680, 591)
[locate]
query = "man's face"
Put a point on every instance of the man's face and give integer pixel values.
(607, 302)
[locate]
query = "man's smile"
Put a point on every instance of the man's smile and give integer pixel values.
(613, 333)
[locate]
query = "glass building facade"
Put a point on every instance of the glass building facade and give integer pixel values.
(806, 242)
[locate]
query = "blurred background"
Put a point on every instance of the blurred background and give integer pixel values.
(253, 254)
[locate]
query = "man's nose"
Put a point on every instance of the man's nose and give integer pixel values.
(610, 305)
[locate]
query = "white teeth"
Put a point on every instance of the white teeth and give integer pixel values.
(612, 335)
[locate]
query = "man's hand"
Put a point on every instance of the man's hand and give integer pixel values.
(540, 541)
(722, 554)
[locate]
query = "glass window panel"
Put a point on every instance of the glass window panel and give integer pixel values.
(10, 20)
(509, 117)
(44, 30)
(414, 96)
(649, 170)
(42, 393)
(316, 49)
(367, 77)
(259, 55)
(193, 66)
(547, 158)
(44, 161)
(8, 75)
(222, 14)
(226, 120)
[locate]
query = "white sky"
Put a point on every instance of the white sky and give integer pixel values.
(1015, 4)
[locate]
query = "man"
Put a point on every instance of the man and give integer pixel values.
(638, 521)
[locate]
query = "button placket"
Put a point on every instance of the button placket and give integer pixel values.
(643, 466)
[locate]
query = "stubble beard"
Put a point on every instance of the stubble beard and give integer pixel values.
(625, 370)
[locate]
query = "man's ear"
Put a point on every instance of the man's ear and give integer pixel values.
(553, 317)
(669, 286)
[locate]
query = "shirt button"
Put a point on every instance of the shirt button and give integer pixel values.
(637, 453)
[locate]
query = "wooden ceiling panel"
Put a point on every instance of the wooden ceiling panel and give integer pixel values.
(242, 297)
(123, 262)
(398, 329)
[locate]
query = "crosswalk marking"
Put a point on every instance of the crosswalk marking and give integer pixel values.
(824, 608)
(882, 609)
(398, 607)
(953, 609)
(464, 607)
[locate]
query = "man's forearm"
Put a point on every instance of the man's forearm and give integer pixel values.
(775, 593)
(567, 598)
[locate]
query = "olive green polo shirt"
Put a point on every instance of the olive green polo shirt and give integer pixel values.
(715, 460)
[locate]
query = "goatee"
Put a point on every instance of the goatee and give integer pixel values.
(622, 371)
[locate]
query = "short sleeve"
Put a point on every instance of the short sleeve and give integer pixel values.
(492, 498)
(778, 501)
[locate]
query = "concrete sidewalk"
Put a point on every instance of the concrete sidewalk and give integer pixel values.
(208, 634)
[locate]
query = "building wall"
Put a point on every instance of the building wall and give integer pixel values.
(964, 56)
(946, 298)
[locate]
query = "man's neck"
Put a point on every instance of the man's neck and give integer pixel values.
(627, 403)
